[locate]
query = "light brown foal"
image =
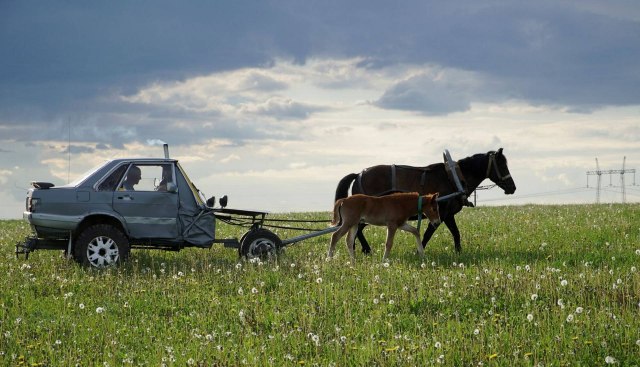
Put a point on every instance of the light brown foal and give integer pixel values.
(391, 211)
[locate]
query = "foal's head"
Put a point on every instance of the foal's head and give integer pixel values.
(430, 208)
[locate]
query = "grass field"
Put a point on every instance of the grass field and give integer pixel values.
(534, 286)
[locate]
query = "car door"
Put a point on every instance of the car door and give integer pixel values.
(148, 210)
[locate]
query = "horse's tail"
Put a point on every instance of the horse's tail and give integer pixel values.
(342, 191)
(337, 216)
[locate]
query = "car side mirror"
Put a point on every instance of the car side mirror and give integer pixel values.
(171, 187)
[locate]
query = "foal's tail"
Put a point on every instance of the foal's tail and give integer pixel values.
(337, 216)
(342, 191)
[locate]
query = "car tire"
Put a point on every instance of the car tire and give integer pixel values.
(259, 243)
(101, 245)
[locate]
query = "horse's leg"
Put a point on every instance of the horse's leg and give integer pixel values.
(335, 237)
(351, 241)
(391, 232)
(407, 228)
(453, 228)
(431, 229)
(366, 249)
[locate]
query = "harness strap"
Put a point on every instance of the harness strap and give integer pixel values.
(492, 163)
(394, 179)
(360, 182)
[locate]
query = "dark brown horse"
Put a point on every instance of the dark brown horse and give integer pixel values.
(383, 180)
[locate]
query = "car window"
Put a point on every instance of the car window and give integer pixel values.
(110, 183)
(147, 177)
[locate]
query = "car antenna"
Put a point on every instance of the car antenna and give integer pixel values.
(69, 152)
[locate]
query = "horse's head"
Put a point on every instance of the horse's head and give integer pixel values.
(498, 172)
(431, 209)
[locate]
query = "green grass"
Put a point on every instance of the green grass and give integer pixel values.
(534, 285)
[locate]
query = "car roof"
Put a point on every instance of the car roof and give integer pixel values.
(142, 160)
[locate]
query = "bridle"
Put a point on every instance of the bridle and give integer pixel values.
(494, 164)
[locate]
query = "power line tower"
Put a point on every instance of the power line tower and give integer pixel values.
(598, 172)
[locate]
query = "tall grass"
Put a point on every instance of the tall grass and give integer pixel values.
(534, 285)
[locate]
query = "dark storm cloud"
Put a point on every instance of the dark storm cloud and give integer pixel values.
(65, 60)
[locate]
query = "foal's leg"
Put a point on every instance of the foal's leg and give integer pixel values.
(453, 227)
(335, 237)
(391, 232)
(408, 228)
(366, 249)
(351, 241)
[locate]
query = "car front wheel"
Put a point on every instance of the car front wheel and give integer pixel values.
(101, 245)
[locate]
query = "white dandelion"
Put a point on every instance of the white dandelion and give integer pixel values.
(570, 317)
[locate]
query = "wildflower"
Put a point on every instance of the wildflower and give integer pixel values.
(638, 252)
(238, 266)
(315, 338)
(476, 331)
(529, 317)
(423, 265)
(561, 303)
(579, 309)
(564, 283)
(58, 342)
(375, 301)
(319, 280)
(240, 291)
(638, 342)
(610, 360)
(534, 297)
(386, 264)
(570, 318)
(81, 306)
(254, 290)
(437, 345)
(100, 310)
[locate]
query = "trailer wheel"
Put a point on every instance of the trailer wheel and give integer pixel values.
(260, 243)
(101, 245)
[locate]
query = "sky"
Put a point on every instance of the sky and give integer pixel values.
(273, 102)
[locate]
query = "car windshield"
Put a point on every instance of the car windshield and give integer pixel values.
(84, 176)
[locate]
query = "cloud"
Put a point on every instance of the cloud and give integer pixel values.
(430, 93)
